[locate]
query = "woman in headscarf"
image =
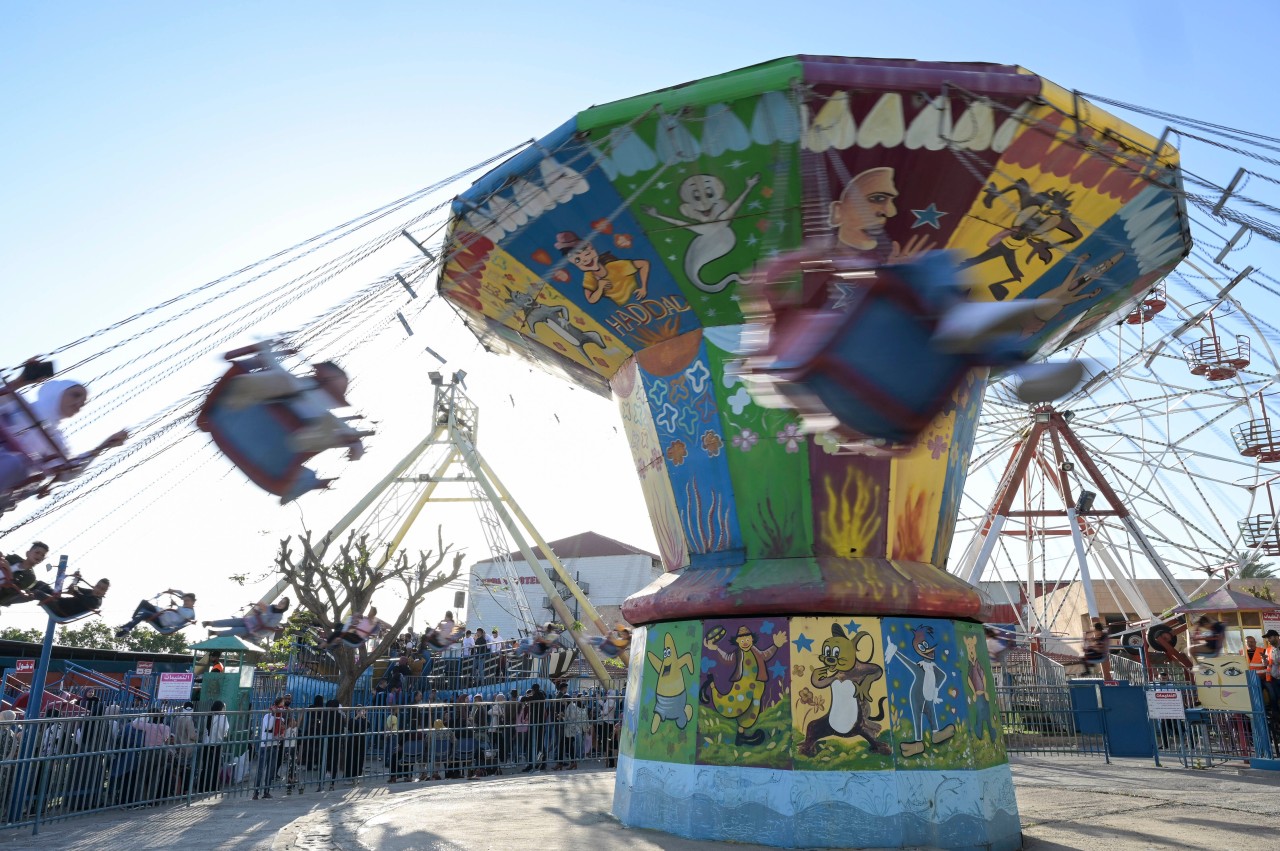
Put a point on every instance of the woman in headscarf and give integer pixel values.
(41, 440)
(309, 743)
(357, 733)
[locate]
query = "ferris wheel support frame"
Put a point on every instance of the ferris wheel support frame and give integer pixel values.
(1051, 422)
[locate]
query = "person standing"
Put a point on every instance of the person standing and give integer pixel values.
(356, 745)
(534, 702)
(216, 728)
(1272, 683)
(1256, 657)
(271, 734)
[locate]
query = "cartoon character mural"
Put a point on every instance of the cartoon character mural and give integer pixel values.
(708, 216)
(745, 688)
(978, 689)
(842, 675)
(671, 702)
(1221, 683)
(668, 701)
(1077, 289)
(865, 205)
(604, 274)
(916, 650)
(555, 318)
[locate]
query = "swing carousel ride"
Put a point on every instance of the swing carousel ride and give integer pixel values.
(823, 409)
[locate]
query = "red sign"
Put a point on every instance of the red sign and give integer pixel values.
(144, 667)
(25, 666)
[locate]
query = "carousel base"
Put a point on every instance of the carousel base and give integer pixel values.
(821, 809)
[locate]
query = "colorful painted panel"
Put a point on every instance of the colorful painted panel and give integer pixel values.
(669, 697)
(886, 170)
(646, 451)
(714, 186)
(980, 721)
(968, 407)
(926, 699)
(839, 695)
(680, 389)
(850, 496)
(745, 717)
(1221, 683)
(768, 461)
(631, 704)
(490, 281)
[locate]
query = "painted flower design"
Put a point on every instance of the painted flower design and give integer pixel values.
(745, 439)
(791, 437)
(622, 240)
(712, 443)
(677, 452)
(937, 445)
(829, 441)
(560, 275)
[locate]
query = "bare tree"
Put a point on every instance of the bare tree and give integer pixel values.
(348, 584)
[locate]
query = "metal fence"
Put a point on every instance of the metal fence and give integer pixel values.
(1040, 719)
(59, 768)
(1205, 736)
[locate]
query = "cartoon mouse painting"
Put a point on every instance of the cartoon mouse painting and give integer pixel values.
(848, 671)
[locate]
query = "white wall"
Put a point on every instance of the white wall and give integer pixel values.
(609, 579)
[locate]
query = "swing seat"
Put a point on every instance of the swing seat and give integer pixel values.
(873, 365)
(62, 619)
(613, 645)
(258, 438)
(11, 595)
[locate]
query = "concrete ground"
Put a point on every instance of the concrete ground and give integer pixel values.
(1065, 802)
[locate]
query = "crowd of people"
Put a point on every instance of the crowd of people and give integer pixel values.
(99, 756)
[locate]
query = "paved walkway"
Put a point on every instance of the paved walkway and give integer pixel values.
(1066, 803)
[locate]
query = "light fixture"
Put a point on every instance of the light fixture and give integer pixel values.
(460, 377)
(1085, 502)
(436, 378)
(1042, 416)
(1067, 466)
(1068, 416)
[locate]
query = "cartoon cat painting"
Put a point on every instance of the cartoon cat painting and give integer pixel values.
(848, 671)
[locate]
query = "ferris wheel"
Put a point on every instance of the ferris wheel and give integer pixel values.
(1161, 466)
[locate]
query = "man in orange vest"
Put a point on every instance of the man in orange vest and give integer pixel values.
(1256, 656)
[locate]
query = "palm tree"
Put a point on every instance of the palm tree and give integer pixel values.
(1255, 569)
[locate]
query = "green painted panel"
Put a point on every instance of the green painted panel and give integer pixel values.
(775, 75)
(668, 722)
(768, 464)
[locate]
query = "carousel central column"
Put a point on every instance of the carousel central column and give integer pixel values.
(807, 675)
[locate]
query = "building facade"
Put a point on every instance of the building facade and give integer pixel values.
(608, 571)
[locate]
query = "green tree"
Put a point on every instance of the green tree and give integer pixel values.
(31, 636)
(96, 634)
(92, 634)
(150, 641)
(330, 591)
(1255, 569)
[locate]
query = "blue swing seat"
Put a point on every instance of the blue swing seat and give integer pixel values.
(256, 439)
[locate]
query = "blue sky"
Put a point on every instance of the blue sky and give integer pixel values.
(150, 147)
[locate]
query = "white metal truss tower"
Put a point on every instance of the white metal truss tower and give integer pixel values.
(448, 456)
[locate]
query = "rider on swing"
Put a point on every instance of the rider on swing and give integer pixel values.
(1210, 636)
(75, 602)
(165, 621)
(356, 630)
